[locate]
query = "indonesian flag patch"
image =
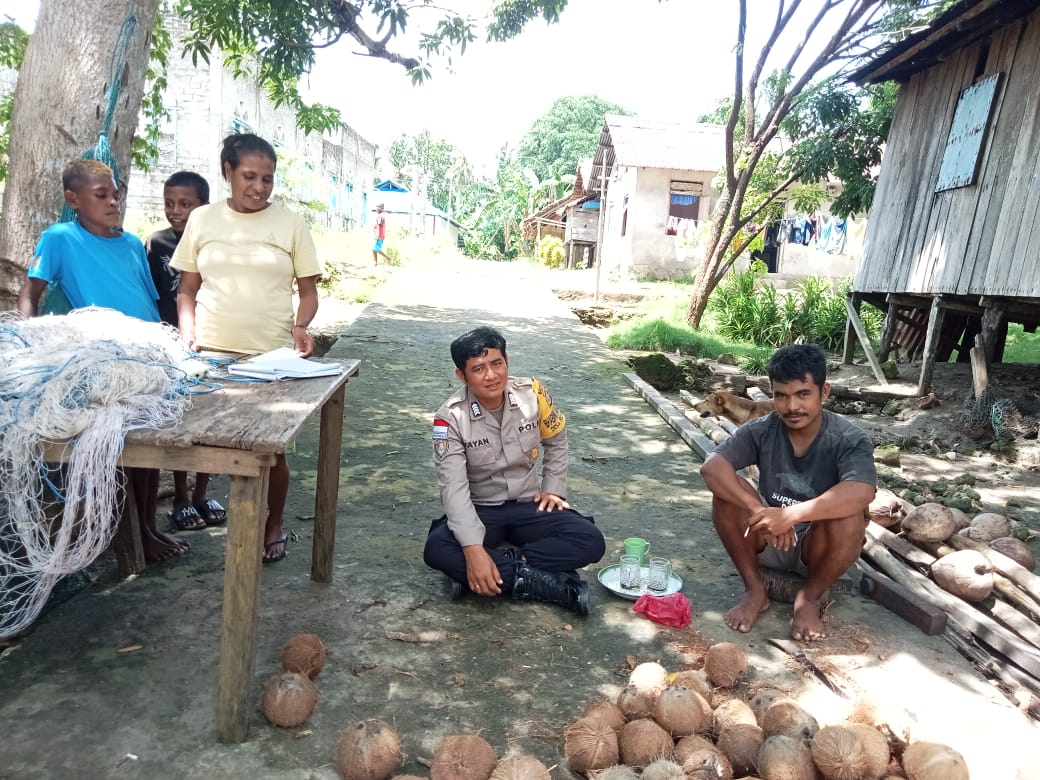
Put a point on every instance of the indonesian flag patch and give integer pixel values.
(440, 438)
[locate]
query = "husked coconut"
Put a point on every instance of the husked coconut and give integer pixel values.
(642, 742)
(678, 711)
(741, 742)
(731, 712)
(708, 763)
(785, 717)
(406, 777)
(607, 711)
(663, 769)
(304, 653)
(289, 699)
(989, 526)
(725, 664)
(649, 676)
(687, 745)
(1016, 550)
(520, 768)
(618, 772)
(929, 522)
(965, 573)
(762, 699)
(635, 703)
(850, 751)
(886, 509)
(590, 743)
(932, 761)
(463, 757)
(694, 679)
(961, 519)
(368, 750)
(785, 758)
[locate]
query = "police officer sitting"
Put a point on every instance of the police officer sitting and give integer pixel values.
(505, 530)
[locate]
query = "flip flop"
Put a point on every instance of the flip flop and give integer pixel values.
(284, 542)
(211, 511)
(187, 518)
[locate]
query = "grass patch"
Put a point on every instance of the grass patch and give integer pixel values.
(1021, 347)
(659, 335)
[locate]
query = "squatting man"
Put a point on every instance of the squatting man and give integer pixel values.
(817, 477)
(506, 530)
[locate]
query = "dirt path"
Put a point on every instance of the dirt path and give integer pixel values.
(514, 673)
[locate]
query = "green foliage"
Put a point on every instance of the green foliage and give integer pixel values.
(443, 169)
(144, 147)
(568, 131)
(748, 309)
(13, 40)
(1021, 347)
(508, 17)
(658, 335)
(550, 252)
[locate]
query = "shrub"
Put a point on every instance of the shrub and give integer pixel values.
(550, 252)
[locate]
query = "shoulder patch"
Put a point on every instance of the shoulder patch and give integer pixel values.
(551, 420)
(440, 438)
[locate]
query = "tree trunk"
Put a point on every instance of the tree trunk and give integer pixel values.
(60, 105)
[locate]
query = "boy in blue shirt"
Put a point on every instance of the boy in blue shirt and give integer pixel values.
(97, 264)
(183, 192)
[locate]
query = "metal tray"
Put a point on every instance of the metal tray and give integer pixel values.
(610, 578)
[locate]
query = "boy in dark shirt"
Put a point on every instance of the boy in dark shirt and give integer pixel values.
(183, 192)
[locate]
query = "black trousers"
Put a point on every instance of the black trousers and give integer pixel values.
(555, 541)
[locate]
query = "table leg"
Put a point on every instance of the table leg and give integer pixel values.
(246, 512)
(330, 448)
(127, 542)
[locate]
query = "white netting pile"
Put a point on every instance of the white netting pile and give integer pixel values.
(85, 378)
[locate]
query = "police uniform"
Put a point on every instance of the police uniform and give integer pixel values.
(486, 470)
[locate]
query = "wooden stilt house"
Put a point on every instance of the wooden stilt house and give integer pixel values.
(953, 244)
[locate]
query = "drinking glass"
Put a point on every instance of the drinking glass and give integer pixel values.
(630, 572)
(660, 574)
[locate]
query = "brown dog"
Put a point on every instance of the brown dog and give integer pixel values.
(723, 403)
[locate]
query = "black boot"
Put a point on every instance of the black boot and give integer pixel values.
(457, 589)
(565, 589)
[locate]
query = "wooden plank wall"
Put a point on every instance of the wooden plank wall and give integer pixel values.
(983, 239)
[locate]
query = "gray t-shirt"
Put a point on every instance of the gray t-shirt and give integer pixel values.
(841, 452)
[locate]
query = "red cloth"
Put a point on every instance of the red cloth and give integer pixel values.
(672, 610)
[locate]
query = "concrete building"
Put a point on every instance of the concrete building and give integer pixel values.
(325, 176)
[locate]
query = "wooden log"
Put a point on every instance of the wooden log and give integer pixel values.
(687, 431)
(126, 543)
(756, 393)
(1014, 571)
(979, 367)
(689, 398)
(1021, 689)
(330, 450)
(710, 426)
(864, 340)
(918, 611)
(984, 627)
(931, 345)
(890, 393)
(728, 426)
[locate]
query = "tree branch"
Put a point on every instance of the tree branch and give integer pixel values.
(734, 113)
(345, 16)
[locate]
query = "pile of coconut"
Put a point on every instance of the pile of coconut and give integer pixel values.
(665, 727)
(371, 750)
(289, 697)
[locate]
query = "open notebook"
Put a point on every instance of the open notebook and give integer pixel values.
(282, 363)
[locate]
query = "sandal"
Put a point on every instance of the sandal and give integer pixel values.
(187, 518)
(211, 511)
(284, 542)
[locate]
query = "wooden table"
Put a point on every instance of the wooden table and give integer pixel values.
(239, 430)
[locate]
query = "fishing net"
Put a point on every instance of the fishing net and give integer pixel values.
(82, 380)
(1001, 416)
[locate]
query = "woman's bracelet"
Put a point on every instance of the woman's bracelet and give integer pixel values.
(294, 327)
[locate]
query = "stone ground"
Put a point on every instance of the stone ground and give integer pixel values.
(516, 674)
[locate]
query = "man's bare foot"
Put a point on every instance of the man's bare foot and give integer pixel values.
(806, 625)
(171, 540)
(743, 616)
(157, 550)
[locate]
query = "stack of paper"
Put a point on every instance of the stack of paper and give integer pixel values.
(282, 363)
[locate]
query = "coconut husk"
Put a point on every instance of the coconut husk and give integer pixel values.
(642, 742)
(368, 750)
(762, 700)
(785, 717)
(288, 699)
(693, 679)
(663, 769)
(987, 526)
(679, 711)
(649, 677)
(607, 711)
(304, 653)
(463, 757)
(787, 758)
(740, 743)
(590, 743)
(618, 772)
(636, 703)
(520, 768)
(1016, 550)
(850, 751)
(725, 664)
(964, 573)
(932, 761)
(930, 522)
(731, 712)
(706, 763)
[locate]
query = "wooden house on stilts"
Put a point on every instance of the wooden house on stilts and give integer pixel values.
(953, 244)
